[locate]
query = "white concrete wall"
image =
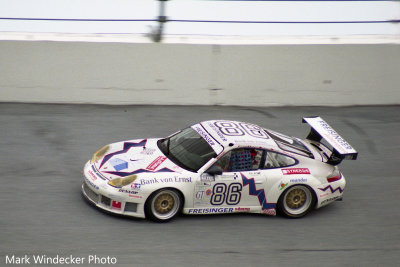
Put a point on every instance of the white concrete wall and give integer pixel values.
(153, 73)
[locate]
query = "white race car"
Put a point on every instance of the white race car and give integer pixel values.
(219, 166)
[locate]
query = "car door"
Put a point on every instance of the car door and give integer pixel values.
(238, 184)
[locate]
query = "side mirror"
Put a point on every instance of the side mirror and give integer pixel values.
(214, 170)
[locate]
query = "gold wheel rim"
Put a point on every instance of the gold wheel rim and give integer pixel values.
(296, 198)
(164, 203)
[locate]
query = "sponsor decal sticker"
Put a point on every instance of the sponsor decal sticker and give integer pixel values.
(127, 191)
(135, 196)
(156, 163)
(202, 195)
(208, 192)
(149, 181)
(90, 183)
(295, 171)
(199, 195)
(119, 164)
(239, 209)
(205, 136)
(282, 186)
(135, 186)
(299, 180)
(207, 178)
(326, 201)
(148, 151)
(116, 205)
(334, 136)
(97, 173)
(92, 175)
(183, 179)
(271, 212)
(164, 180)
(210, 210)
(209, 139)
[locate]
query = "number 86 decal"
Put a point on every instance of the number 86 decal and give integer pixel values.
(232, 129)
(222, 193)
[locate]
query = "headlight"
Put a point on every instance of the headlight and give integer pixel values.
(99, 154)
(120, 182)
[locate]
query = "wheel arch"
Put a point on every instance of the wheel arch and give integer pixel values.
(312, 189)
(167, 187)
(156, 190)
(314, 200)
(274, 193)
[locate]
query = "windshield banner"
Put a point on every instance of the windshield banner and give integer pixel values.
(210, 140)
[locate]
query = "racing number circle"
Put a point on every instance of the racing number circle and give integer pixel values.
(163, 205)
(296, 201)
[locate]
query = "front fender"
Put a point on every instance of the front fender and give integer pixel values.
(184, 185)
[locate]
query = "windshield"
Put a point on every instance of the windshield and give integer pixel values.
(187, 149)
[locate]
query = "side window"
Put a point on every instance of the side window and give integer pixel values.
(277, 160)
(243, 159)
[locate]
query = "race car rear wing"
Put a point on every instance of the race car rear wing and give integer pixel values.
(341, 149)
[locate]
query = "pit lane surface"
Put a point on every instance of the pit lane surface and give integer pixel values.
(44, 148)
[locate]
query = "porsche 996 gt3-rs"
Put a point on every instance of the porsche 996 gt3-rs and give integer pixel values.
(219, 166)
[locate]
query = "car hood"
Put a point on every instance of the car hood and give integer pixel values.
(134, 157)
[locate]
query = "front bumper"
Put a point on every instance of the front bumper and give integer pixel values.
(114, 206)
(109, 199)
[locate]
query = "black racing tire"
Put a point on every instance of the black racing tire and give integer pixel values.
(296, 201)
(163, 205)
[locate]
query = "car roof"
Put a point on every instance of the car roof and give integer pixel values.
(235, 134)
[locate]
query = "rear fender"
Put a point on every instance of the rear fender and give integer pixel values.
(280, 186)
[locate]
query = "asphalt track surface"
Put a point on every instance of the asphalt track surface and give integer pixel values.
(42, 212)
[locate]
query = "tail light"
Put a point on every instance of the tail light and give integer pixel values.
(336, 175)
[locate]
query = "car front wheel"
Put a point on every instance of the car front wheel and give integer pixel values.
(296, 201)
(163, 205)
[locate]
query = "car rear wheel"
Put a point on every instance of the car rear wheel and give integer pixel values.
(296, 201)
(163, 205)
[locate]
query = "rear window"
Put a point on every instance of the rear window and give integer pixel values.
(277, 160)
(290, 144)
